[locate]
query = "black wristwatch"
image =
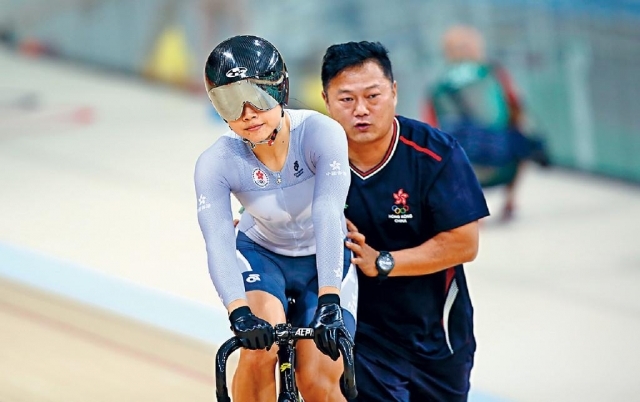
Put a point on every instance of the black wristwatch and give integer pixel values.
(384, 264)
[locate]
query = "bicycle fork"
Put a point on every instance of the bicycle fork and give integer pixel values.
(286, 372)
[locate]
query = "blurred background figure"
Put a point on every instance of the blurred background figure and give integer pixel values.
(476, 101)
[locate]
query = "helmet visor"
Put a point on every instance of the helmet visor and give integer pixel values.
(229, 100)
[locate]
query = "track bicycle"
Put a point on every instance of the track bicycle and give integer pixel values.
(286, 336)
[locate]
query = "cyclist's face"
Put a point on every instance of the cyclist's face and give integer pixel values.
(363, 101)
(256, 125)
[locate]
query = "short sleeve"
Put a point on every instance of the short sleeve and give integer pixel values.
(455, 197)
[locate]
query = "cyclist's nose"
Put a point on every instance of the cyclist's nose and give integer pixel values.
(248, 112)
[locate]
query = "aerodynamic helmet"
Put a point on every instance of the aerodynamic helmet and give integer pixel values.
(245, 69)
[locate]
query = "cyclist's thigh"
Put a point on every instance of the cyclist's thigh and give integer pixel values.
(380, 376)
(266, 306)
(261, 271)
(443, 380)
(307, 296)
(298, 273)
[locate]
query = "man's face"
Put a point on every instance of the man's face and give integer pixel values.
(363, 101)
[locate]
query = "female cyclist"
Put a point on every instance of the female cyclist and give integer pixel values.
(290, 171)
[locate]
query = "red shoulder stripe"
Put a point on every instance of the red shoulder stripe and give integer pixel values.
(421, 149)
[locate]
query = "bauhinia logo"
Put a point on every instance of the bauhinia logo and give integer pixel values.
(400, 208)
(336, 169)
(202, 203)
(260, 178)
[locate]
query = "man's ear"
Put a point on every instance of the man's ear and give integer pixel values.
(325, 98)
(394, 89)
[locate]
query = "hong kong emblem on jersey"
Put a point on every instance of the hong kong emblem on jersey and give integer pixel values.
(400, 208)
(260, 177)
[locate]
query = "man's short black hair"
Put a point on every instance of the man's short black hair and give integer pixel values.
(345, 55)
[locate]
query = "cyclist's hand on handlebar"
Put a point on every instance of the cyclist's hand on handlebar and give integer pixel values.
(328, 325)
(253, 332)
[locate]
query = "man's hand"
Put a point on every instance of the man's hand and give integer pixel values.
(364, 256)
(253, 332)
(329, 326)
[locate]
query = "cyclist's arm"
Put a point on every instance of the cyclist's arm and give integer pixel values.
(216, 223)
(328, 155)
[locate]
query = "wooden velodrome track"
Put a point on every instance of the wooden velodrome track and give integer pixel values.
(104, 294)
(57, 350)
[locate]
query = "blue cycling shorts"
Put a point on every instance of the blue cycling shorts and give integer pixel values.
(296, 277)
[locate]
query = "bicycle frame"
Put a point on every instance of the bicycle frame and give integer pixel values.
(286, 337)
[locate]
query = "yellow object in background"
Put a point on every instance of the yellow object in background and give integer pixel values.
(170, 60)
(312, 94)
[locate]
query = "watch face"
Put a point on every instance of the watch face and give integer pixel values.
(385, 263)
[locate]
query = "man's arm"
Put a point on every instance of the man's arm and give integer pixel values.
(445, 250)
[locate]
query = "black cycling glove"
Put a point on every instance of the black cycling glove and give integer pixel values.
(328, 325)
(253, 332)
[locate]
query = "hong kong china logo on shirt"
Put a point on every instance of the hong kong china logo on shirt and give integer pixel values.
(260, 177)
(336, 169)
(400, 208)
